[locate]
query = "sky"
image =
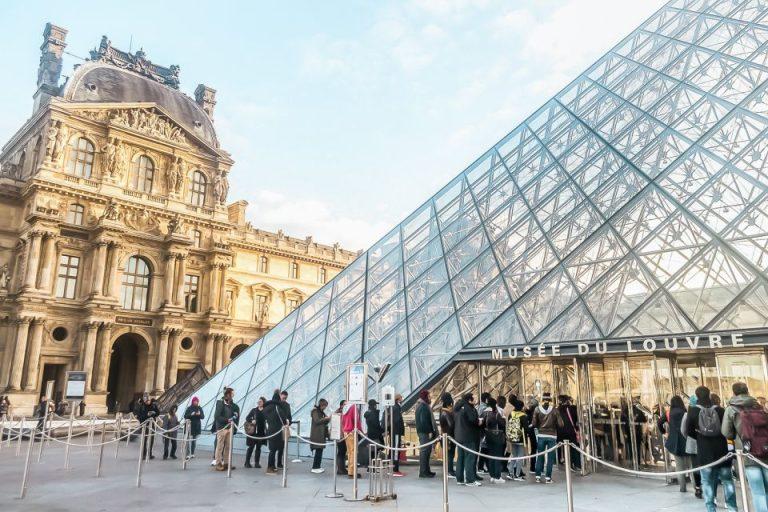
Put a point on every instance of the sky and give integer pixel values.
(342, 116)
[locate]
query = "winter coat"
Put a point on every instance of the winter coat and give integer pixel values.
(397, 419)
(273, 414)
(373, 425)
(224, 412)
(256, 416)
(675, 442)
(547, 421)
(494, 427)
(170, 422)
(447, 421)
(318, 433)
(732, 422)
(425, 420)
(195, 420)
(144, 411)
(467, 426)
(708, 449)
(570, 428)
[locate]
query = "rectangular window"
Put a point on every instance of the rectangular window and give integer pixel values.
(294, 273)
(292, 305)
(191, 290)
(264, 265)
(322, 276)
(67, 276)
(260, 308)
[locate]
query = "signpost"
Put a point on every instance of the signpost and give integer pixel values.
(357, 383)
(75, 389)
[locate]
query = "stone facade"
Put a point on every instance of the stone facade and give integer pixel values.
(119, 254)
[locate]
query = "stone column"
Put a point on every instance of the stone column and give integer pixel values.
(213, 289)
(105, 354)
(162, 356)
(49, 262)
(210, 341)
(33, 359)
(89, 353)
(33, 260)
(181, 272)
(220, 354)
(114, 259)
(170, 261)
(19, 351)
(99, 262)
(173, 365)
(222, 288)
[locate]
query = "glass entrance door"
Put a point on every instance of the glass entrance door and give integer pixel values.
(749, 368)
(694, 371)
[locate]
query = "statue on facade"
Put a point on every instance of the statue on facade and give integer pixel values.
(220, 187)
(265, 311)
(110, 156)
(174, 175)
(175, 224)
(5, 277)
(121, 159)
(111, 212)
(57, 153)
(53, 133)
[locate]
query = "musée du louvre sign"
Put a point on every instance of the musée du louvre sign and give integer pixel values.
(707, 341)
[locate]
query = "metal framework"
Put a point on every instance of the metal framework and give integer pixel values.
(634, 202)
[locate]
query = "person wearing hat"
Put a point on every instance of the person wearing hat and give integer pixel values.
(195, 415)
(147, 411)
(426, 428)
(396, 436)
(547, 422)
(373, 423)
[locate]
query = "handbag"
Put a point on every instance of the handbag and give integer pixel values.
(250, 428)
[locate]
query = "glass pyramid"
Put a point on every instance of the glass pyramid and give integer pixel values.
(634, 202)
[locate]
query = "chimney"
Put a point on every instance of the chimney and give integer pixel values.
(236, 212)
(206, 98)
(49, 71)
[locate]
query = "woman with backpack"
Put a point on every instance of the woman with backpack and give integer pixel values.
(255, 426)
(495, 438)
(670, 425)
(517, 425)
(704, 423)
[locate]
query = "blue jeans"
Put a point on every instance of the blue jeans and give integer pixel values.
(709, 480)
(758, 484)
(517, 450)
(544, 443)
(466, 465)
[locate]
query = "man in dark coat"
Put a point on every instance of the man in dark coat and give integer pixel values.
(398, 427)
(147, 410)
(467, 430)
(274, 414)
(225, 417)
(570, 430)
(426, 428)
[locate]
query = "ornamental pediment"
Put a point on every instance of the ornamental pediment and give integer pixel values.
(150, 121)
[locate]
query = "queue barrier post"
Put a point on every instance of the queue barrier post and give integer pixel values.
(119, 432)
(353, 462)
(91, 428)
(742, 479)
(23, 492)
(101, 448)
(286, 438)
(568, 475)
(231, 435)
(445, 472)
(21, 429)
(42, 434)
(184, 445)
(298, 448)
(335, 493)
(128, 438)
(2, 431)
(141, 454)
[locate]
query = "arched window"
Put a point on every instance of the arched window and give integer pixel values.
(136, 280)
(197, 186)
(264, 265)
(322, 276)
(294, 270)
(142, 174)
(197, 238)
(75, 214)
(80, 161)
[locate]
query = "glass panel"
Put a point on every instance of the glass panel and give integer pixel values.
(747, 368)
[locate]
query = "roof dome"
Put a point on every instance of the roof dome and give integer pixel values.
(99, 82)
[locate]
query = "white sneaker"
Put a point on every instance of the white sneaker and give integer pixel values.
(213, 462)
(188, 457)
(548, 481)
(452, 476)
(538, 479)
(192, 456)
(317, 471)
(497, 480)
(473, 484)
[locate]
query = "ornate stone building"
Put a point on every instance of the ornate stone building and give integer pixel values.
(119, 254)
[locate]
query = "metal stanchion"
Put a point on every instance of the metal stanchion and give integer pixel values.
(21, 429)
(42, 434)
(119, 432)
(141, 454)
(10, 431)
(353, 461)
(69, 439)
(101, 449)
(26, 464)
(229, 450)
(298, 434)
(91, 426)
(742, 479)
(568, 475)
(184, 443)
(2, 431)
(286, 438)
(128, 438)
(335, 493)
(445, 472)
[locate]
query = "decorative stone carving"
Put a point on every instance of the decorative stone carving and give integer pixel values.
(5, 277)
(57, 140)
(220, 187)
(9, 170)
(175, 224)
(149, 122)
(114, 157)
(174, 176)
(111, 212)
(142, 220)
(138, 63)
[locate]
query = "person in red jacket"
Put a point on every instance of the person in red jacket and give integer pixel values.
(350, 421)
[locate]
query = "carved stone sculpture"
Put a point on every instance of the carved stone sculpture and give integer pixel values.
(5, 277)
(53, 133)
(111, 212)
(59, 142)
(220, 187)
(121, 160)
(174, 176)
(110, 156)
(175, 224)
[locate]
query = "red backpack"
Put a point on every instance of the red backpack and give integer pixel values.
(753, 431)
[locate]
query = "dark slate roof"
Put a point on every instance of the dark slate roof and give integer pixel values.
(103, 83)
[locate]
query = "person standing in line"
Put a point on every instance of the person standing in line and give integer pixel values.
(396, 437)
(42, 410)
(4, 407)
(350, 422)
(147, 412)
(170, 422)
(501, 405)
(746, 424)
(319, 433)
(226, 416)
(690, 448)
(448, 426)
(481, 408)
(373, 423)
(426, 428)
(495, 438)
(704, 423)
(467, 429)
(255, 426)
(194, 413)
(285, 413)
(530, 432)
(517, 424)
(546, 421)
(341, 447)
(275, 421)
(670, 425)
(570, 430)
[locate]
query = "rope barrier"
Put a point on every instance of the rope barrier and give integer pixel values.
(719, 461)
(756, 460)
(507, 459)
(400, 449)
